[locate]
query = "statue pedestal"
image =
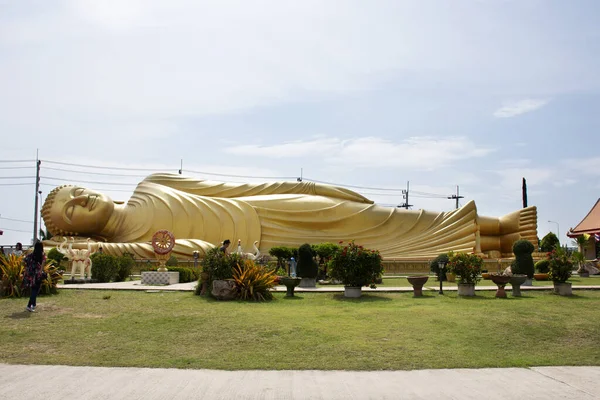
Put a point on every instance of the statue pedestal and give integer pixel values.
(159, 278)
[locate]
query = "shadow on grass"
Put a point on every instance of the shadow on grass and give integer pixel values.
(365, 298)
(19, 315)
(292, 298)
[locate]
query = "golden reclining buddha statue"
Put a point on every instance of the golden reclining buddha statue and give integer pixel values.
(201, 214)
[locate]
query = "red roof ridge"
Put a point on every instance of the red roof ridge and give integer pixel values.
(589, 224)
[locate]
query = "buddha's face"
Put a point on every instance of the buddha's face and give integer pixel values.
(77, 209)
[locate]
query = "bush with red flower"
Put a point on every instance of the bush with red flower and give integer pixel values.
(355, 265)
(467, 267)
(560, 265)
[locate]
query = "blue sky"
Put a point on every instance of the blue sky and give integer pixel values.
(475, 93)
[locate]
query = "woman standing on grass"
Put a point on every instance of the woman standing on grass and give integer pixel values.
(34, 271)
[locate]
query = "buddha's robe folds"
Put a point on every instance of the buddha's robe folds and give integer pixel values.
(202, 214)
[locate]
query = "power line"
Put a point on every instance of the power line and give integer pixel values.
(102, 167)
(241, 176)
(16, 220)
(94, 182)
(17, 177)
(16, 184)
(351, 186)
(15, 161)
(95, 173)
(15, 230)
(104, 189)
(15, 167)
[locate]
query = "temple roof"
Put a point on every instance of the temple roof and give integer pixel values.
(590, 224)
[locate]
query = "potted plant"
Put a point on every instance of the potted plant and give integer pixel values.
(542, 267)
(355, 267)
(467, 268)
(561, 268)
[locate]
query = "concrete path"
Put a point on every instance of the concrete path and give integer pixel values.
(55, 382)
(191, 286)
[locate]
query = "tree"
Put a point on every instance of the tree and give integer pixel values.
(549, 242)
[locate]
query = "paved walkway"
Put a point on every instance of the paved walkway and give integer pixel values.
(55, 382)
(190, 286)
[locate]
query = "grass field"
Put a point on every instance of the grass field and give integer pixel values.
(312, 331)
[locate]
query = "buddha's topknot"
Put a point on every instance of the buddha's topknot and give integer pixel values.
(50, 226)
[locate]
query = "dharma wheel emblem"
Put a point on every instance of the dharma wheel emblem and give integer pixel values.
(163, 242)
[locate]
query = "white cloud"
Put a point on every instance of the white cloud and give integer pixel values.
(512, 109)
(424, 153)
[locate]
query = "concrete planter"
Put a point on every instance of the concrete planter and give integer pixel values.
(563, 288)
(516, 281)
(308, 283)
(290, 284)
(466, 289)
(417, 282)
(352, 291)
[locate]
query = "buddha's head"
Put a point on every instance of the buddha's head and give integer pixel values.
(73, 210)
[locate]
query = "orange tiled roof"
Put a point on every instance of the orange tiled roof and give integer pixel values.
(590, 224)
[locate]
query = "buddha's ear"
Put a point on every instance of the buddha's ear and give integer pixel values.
(118, 202)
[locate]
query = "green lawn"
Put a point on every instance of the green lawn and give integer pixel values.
(312, 331)
(432, 282)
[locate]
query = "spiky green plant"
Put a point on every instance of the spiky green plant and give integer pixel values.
(12, 269)
(53, 276)
(253, 281)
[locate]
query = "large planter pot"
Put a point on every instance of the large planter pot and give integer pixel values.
(290, 284)
(308, 283)
(540, 277)
(501, 281)
(466, 289)
(516, 281)
(563, 288)
(450, 277)
(352, 291)
(417, 282)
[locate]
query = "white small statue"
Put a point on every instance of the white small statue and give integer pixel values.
(79, 259)
(249, 256)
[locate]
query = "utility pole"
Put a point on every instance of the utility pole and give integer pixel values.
(300, 179)
(37, 190)
(181, 169)
(456, 196)
(405, 197)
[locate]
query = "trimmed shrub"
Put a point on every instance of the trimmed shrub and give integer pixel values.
(282, 253)
(325, 251)
(219, 265)
(307, 266)
(253, 281)
(356, 266)
(549, 242)
(542, 266)
(172, 262)
(434, 265)
(186, 274)
(55, 255)
(104, 267)
(523, 263)
(126, 263)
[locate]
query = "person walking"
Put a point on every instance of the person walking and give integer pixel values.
(34, 273)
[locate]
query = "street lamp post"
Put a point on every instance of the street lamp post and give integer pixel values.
(557, 229)
(442, 267)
